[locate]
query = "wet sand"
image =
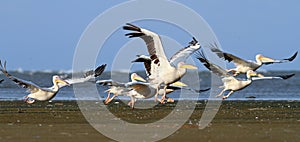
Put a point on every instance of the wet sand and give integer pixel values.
(235, 121)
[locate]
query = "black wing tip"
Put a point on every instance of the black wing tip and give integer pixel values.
(99, 70)
(293, 57)
(131, 27)
(286, 76)
(140, 58)
(131, 35)
(200, 56)
(193, 42)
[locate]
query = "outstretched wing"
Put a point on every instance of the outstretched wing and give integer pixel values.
(284, 77)
(186, 52)
(87, 76)
(211, 66)
(282, 60)
(95, 73)
(152, 41)
(23, 83)
(230, 57)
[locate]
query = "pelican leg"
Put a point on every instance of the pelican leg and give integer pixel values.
(225, 97)
(131, 102)
(221, 93)
(162, 101)
(109, 100)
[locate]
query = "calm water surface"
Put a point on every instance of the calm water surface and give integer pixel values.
(258, 90)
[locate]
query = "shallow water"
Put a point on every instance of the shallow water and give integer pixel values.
(258, 90)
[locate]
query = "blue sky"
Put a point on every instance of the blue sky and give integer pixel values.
(42, 35)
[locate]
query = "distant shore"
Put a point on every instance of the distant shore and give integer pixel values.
(235, 121)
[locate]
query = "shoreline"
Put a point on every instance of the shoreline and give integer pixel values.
(235, 121)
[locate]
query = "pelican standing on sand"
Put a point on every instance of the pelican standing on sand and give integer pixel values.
(163, 71)
(229, 81)
(36, 92)
(242, 66)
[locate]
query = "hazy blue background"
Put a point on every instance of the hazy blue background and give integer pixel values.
(42, 35)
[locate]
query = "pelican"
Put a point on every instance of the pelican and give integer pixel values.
(242, 66)
(36, 92)
(138, 90)
(163, 71)
(174, 86)
(231, 83)
(133, 89)
(88, 75)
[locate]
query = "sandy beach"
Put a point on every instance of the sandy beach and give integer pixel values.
(235, 121)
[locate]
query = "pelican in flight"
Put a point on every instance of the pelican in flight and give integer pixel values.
(231, 83)
(88, 75)
(163, 71)
(36, 92)
(242, 66)
(175, 86)
(45, 94)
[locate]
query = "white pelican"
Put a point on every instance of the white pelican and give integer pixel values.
(138, 90)
(89, 75)
(163, 71)
(174, 86)
(133, 89)
(242, 66)
(36, 92)
(231, 83)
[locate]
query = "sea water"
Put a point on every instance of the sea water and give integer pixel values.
(259, 90)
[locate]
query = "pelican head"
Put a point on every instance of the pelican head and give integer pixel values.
(56, 79)
(136, 77)
(260, 59)
(251, 73)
